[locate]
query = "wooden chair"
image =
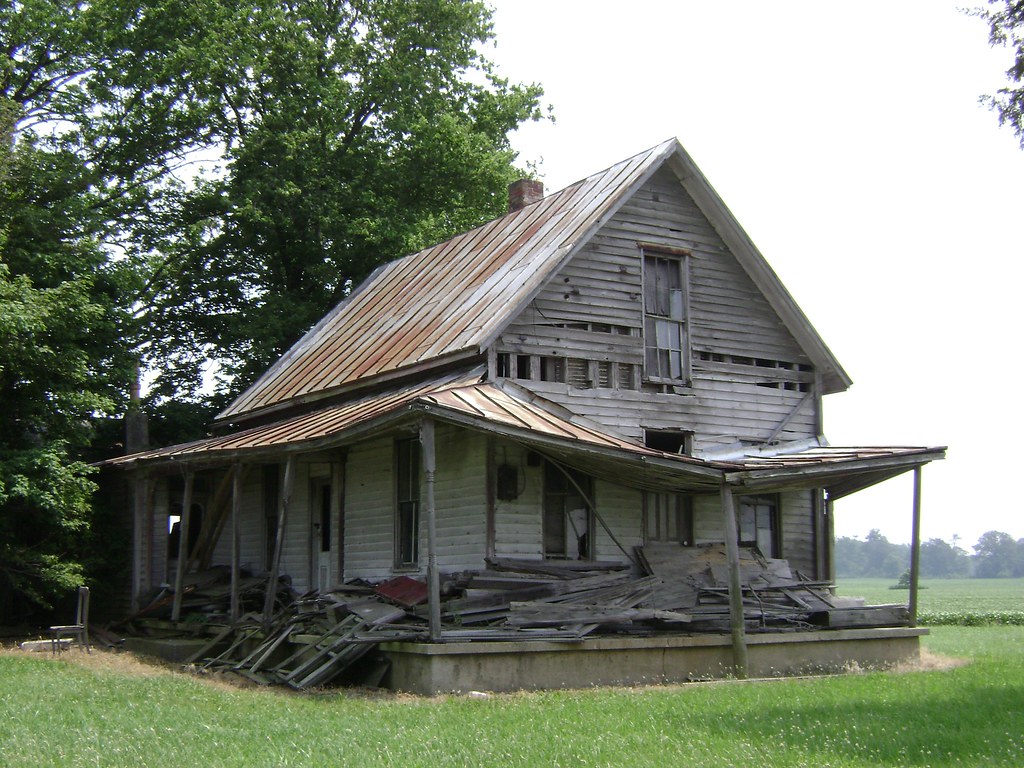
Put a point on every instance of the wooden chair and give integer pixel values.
(79, 630)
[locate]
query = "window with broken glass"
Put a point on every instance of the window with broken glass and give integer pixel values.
(567, 517)
(666, 342)
(760, 524)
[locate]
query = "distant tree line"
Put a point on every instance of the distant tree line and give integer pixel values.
(996, 555)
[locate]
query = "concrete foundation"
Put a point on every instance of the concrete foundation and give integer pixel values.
(432, 669)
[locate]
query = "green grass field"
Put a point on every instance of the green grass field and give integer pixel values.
(963, 706)
(949, 601)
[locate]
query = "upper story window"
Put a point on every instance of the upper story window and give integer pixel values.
(666, 322)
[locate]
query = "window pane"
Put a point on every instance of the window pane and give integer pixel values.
(676, 304)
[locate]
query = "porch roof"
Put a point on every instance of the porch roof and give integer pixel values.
(516, 413)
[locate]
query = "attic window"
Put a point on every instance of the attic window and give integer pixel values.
(666, 321)
(669, 440)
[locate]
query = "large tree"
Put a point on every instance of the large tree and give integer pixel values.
(90, 125)
(355, 132)
(183, 180)
(1006, 28)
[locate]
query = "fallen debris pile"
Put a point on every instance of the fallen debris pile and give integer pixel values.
(317, 638)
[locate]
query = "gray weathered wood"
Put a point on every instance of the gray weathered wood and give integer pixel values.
(282, 517)
(739, 640)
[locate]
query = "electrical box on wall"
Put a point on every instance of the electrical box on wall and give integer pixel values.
(507, 485)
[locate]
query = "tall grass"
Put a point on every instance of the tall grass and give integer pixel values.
(98, 711)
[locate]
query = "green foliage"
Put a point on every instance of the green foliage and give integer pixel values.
(970, 618)
(181, 181)
(875, 556)
(1006, 29)
(355, 133)
(997, 555)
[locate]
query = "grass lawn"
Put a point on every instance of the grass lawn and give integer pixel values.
(107, 710)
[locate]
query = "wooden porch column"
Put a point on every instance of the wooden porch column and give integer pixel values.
(183, 553)
(282, 516)
(236, 542)
(732, 552)
(433, 581)
(830, 538)
(915, 548)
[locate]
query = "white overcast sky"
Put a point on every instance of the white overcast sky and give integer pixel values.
(848, 140)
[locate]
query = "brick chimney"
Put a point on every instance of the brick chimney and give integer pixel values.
(523, 193)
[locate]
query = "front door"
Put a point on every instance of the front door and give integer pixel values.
(322, 577)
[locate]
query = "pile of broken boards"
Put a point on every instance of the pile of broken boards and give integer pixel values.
(320, 637)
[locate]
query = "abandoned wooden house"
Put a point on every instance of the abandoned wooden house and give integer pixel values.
(607, 377)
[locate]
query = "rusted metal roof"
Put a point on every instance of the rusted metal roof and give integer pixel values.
(446, 300)
(303, 432)
(518, 414)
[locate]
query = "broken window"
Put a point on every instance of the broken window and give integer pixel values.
(666, 342)
(407, 502)
(567, 515)
(669, 440)
(760, 524)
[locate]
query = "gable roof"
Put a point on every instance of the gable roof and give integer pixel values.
(448, 302)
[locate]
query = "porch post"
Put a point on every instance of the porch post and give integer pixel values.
(732, 551)
(433, 581)
(183, 553)
(830, 539)
(282, 516)
(236, 512)
(915, 548)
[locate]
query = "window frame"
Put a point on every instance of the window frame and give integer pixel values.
(774, 528)
(549, 513)
(668, 517)
(408, 501)
(681, 259)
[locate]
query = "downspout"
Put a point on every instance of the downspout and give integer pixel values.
(433, 580)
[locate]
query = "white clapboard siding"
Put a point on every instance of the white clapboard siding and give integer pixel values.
(369, 510)
(798, 531)
(517, 523)
(460, 500)
(252, 527)
(295, 551)
(621, 509)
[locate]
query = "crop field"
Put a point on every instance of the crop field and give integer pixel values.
(962, 602)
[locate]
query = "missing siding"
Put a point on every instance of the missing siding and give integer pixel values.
(789, 373)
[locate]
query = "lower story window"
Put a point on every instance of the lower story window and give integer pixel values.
(568, 519)
(760, 524)
(668, 517)
(407, 502)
